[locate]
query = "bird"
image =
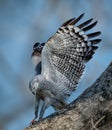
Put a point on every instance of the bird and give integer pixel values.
(63, 59)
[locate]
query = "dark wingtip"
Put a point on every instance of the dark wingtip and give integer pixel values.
(72, 21)
(100, 40)
(76, 20)
(94, 47)
(91, 19)
(90, 26)
(82, 15)
(67, 22)
(95, 41)
(94, 34)
(85, 23)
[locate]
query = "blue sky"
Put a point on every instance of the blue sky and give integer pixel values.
(25, 22)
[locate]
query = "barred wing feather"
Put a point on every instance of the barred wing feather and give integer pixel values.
(67, 52)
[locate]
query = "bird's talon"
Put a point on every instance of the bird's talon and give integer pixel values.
(33, 122)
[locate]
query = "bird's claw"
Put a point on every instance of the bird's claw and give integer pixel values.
(33, 122)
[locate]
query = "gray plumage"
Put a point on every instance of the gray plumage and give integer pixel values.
(63, 61)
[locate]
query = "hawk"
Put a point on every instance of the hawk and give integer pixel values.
(62, 59)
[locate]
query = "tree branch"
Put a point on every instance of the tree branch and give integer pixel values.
(90, 111)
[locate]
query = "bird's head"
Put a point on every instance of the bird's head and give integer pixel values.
(38, 47)
(36, 55)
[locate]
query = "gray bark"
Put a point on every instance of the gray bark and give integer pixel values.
(90, 111)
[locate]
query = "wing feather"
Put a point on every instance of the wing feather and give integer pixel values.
(90, 26)
(76, 20)
(67, 22)
(91, 35)
(67, 52)
(85, 23)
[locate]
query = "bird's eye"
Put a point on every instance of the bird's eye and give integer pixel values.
(36, 45)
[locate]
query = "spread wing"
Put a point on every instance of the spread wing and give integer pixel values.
(65, 54)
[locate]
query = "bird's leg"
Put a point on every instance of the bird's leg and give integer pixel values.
(36, 107)
(37, 100)
(46, 103)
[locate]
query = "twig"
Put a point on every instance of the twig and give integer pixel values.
(94, 126)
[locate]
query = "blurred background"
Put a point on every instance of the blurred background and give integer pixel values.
(24, 22)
